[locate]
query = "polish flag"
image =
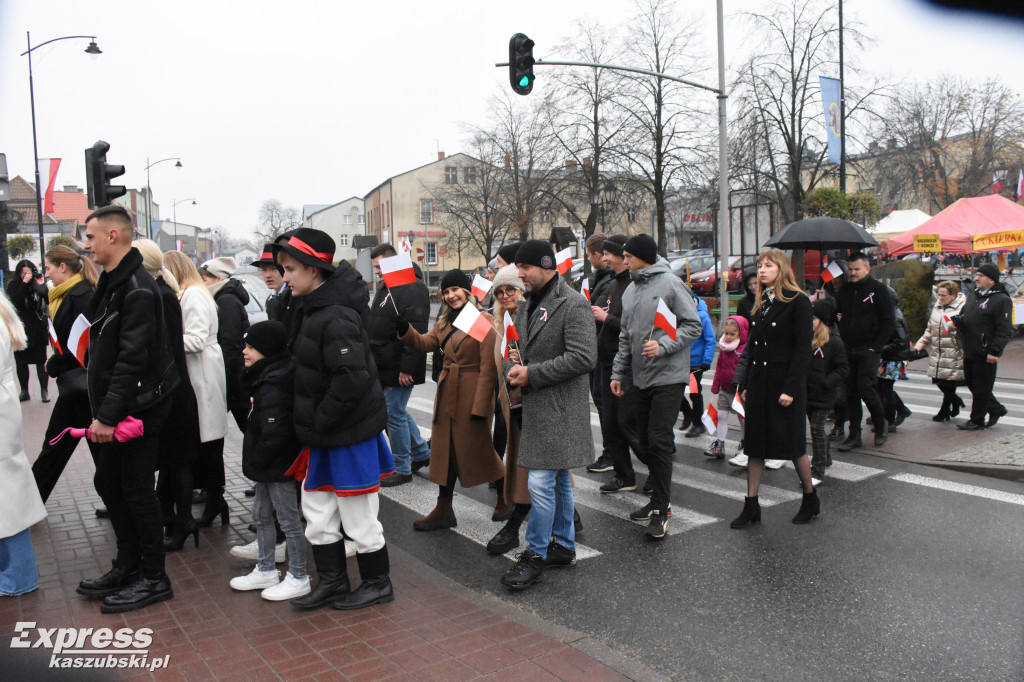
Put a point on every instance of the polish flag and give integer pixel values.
(509, 336)
(694, 388)
(563, 261)
(481, 285)
(472, 322)
(1020, 185)
(831, 272)
(78, 339)
(946, 322)
(997, 186)
(737, 405)
(585, 289)
(397, 270)
(665, 319)
(1018, 313)
(180, 245)
(405, 245)
(48, 179)
(710, 419)
(53, 337)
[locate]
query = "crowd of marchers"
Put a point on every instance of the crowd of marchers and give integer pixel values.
(154, 354)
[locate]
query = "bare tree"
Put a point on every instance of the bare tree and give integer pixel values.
(275, 219)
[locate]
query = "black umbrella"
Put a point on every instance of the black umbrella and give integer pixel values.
(821, 233)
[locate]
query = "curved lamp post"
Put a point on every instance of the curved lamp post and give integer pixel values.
(92, 50)
(174, 208)
(149, 192)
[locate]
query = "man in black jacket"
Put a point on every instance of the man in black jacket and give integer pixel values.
(985, 325)
(399, 366)
(131, 373)
(273, 276)
(867, 321)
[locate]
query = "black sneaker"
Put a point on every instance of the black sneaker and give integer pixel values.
(696, 430)
(648, 488)
(506, 539)
(527, 570)
(601, 465)
(658, 527)
(617, 485)
(418, 464)
(644, 512)
(395, 479)
(559, 556)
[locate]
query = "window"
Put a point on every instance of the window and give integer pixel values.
(426, 211)
(431, 253)
(469, 173)
(362, 219)
(630, 215)
(545, 215)
(348, 220)
(343, 239)
(451, 175)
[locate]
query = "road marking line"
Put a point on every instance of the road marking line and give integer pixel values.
(965, 414)
(587, 493)
(723, 484)
(963, 488)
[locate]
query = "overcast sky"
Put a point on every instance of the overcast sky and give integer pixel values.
(313, 102)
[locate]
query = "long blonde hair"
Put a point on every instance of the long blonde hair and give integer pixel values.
(785, 281)
(821, 335)
(499, 315)
(19, 341)
(184, 270)
(153, 261)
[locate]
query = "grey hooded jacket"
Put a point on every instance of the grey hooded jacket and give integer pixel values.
(639, 304)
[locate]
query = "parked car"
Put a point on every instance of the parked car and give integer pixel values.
(706, 281)
(697, 264)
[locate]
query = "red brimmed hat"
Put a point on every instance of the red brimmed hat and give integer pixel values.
(310, 247)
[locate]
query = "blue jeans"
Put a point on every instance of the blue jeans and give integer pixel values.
(18, 573)
(551, 513)
(403, 432)
(279, 497)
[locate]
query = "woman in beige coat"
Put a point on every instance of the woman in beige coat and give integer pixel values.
(946, 362)
(461, 446)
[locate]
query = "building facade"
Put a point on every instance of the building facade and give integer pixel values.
(344, 221)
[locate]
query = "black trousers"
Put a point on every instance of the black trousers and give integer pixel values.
(124, 481)
(69, 410)
(22, 371)
(981, 379)
(657, 409)
(696, 411)
(862, 384)
(619, 428)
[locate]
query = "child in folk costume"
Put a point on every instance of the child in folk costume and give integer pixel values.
(339, 414)
(731, 345)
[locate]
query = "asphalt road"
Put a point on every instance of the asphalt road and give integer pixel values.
(910, 572)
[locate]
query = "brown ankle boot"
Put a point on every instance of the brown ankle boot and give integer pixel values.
(502, 509)
(442, 516)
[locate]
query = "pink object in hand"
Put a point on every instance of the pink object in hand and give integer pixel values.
(129, 429)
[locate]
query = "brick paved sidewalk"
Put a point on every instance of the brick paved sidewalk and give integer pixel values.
(434, 630)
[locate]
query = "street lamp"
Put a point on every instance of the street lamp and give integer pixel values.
(94, 51)
(605, 195)
(174, 208)
(149, 192)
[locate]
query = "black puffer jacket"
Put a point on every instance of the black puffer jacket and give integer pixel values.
(391, 355)
(338, 398)
(608, 336)
(232, 322)
(269, 446)
(75, 303)
(131, 367)
(826, 374)
(985, 323)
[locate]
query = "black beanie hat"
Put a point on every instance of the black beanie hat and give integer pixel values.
(269, 337)
(824, 309)
(614, 244)
(643, 247)
(990, 270)
(536, 252)
(508, 252)
(456, 278)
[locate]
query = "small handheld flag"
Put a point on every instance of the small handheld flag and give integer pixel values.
(406, 246)
(831, 272)
(585, 288)
(472, 322)
(53, 337)
(946, 322)
(710, 419)
(481, 285)
(78, 339)
(1018, 313)
(737, 405)
(179, 245)
(665, 319)
(694, 388)
(509, 336)
(397, 270)
(563, 261)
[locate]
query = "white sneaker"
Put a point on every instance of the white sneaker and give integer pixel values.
(815, 481)
(257, 580)
(775, 463)
(251, 552)
(289, 588)
(350, 548)
(740, 460)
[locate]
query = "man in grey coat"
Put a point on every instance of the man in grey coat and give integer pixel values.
(555, 356)
(659, 365)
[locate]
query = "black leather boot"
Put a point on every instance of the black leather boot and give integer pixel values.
(852, 441)
(114, 580)
(838, 432)
(750, 515)
(506, 539)
(810, 507)
(375, 571)
(958, 403)
(215, 506)
(141, 593)
(944, 411)
(332, 577)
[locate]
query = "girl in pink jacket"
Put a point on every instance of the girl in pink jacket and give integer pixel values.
(730, 348)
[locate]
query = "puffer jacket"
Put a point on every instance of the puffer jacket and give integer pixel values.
(728, 359)
(702, 350)
(338, 397)
(231, 298)
(826, 374)
(269, 447)
(639, 304)
(945, 352)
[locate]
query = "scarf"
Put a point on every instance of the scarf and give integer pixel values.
(58, 293)
(731, 346)
(215, 287)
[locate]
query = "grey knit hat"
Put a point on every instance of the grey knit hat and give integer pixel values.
(508, 276)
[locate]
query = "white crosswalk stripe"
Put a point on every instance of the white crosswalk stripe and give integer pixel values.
(733, 487)
(963, 488)
(587, 492)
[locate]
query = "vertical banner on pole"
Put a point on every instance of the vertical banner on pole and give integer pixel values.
(833, 121)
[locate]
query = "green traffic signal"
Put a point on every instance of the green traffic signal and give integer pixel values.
(526, 80)
(520, 64)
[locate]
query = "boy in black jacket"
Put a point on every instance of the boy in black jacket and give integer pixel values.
(268, 449)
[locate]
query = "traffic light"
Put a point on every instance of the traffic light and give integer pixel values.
(99, 173)
(520, 63)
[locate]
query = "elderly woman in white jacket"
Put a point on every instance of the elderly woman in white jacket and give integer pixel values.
(206, 372)
(946, 362)
(20, 504)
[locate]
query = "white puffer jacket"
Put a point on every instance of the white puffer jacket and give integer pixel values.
(947, 356)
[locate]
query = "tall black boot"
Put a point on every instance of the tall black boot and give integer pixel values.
(375, 571)
(332, 576)
(956, 405)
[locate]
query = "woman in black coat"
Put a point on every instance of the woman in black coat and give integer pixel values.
(74, 279)
(27, 291)
(232, 321)
(774, 383)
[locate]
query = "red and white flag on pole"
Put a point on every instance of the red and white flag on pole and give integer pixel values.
(946, 323)
(78, 339)
(509, 336)
(710, 419)
(831, 272)
(665, 319)
(585, 288)
(405, 245)
(692, 387)
(997, 186)
(472, 322)
(53, 337)
(180, 245)
(1020, 185)
(563, 261)
(481, 285)
(397, 270)
(737, 405)
(47, 181)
